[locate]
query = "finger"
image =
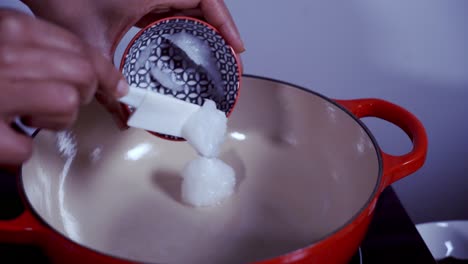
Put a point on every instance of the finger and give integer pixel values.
(19, 63)
(160, 14)
(111, 81)
(16, 148)
(217, 14)
(38, 98)
(115, 108)
(192, 12)
(150, 18)
(22, 28)
(51, 122)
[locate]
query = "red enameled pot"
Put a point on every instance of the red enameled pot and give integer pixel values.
(309, 175)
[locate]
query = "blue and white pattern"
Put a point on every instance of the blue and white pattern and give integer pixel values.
(196, 83)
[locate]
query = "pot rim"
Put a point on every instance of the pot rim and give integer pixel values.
(28, 205)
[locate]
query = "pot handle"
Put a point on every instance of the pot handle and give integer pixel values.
(25, 228)
(394, 167)
(21, 230)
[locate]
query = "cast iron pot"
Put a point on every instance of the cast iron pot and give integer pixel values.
(309, 175)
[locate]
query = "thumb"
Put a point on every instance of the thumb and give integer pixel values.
(111, 82)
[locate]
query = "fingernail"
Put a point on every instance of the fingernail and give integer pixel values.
(122, 88)
(240, 46)
(241, 41)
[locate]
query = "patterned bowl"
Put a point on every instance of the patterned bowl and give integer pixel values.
(186, 58)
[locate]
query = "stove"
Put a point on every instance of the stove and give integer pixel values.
(357, 258)
(392, 236)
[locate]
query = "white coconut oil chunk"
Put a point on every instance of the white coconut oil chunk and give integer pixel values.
(205, 130)
(207, 180)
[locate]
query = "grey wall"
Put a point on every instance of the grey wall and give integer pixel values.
(413, 53)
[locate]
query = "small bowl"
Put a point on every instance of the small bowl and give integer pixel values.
(191, 55)
(447, 240)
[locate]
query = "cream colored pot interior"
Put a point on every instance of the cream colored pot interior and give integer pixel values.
(304, 169)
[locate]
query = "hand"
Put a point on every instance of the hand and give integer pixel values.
(214, 12)
(101, 24)
(46, 73)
